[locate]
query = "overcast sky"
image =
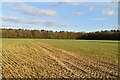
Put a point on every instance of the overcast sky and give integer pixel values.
(61, 16)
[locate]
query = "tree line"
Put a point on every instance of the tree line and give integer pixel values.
(45, 34)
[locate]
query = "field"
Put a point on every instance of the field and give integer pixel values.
(50, 58)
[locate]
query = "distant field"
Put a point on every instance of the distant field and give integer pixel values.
(51, 58)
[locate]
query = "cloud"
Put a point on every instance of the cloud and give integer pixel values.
(70, 2)
(54, 4)
(99, 19)
(15, 26)
(109, 12)
(12, 12)
(37, 22)
(76, 13)
(91, 8)
(117, 27)
(32, 11)
(75, 3)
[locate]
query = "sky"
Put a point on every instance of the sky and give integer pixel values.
(60, 16)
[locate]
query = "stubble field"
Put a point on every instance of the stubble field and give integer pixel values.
(50, 58)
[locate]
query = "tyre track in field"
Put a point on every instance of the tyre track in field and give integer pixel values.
(100, 63)
(104, 66)
(97, 66)
(22, 52)
(53, 57)
(50, 69)
(35, 63)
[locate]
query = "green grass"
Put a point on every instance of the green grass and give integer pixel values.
(104, 50)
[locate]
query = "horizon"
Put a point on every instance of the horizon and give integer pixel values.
(58, 31)
(60, 16)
